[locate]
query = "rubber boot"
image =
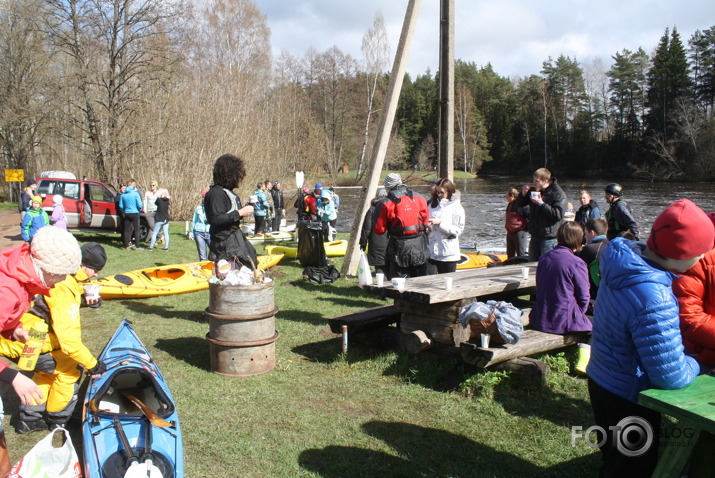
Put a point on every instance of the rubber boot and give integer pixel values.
(4, 456)
(582, 358)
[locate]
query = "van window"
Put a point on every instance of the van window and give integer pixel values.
(98, 193)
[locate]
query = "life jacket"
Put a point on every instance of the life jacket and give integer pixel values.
(407, 220)
(302, 207)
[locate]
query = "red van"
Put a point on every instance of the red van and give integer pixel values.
(89, 204)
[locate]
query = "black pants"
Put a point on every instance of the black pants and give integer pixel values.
(260, 224)
(609, 409)
(443, 267)
(131, 226)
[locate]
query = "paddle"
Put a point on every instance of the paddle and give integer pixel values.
(155, 419)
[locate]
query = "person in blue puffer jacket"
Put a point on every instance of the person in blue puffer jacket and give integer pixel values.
(636, 341)
(260, 209)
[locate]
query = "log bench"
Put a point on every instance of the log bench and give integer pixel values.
(364, 320)
(531, 342)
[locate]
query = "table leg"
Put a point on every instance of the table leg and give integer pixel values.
(678, 446)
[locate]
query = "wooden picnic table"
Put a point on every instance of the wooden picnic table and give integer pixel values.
(430, 312)
(466, 284)
(694, 409)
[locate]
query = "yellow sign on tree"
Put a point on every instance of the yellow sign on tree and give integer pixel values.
(14, 175)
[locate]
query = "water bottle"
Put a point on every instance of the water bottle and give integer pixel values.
(33, 347)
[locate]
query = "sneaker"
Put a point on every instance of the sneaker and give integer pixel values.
(165, 249)
(30, 426)
(149, 248)
(139, 249)
(129, 248)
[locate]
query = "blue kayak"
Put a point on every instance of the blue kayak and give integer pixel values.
(130, 406)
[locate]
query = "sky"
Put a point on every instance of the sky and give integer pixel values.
(515, 36)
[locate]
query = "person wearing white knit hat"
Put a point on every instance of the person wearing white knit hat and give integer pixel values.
(392, 180)
(26, 271)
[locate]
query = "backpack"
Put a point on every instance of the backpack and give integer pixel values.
(321, 275)
(408, 220)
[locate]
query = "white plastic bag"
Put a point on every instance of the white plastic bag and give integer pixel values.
(46, 461)
(364, 274)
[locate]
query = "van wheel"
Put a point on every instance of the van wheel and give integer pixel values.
(144, 231)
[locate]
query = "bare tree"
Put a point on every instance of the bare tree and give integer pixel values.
(122, 51)
(376, 52)
(24, 84)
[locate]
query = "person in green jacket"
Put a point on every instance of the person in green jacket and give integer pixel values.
(34, 219)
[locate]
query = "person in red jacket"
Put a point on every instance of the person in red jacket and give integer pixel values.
(696, 299)
(404, 218)
(517, 238)
(26, 271)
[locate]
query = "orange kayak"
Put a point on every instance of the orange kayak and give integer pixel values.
(472, 261)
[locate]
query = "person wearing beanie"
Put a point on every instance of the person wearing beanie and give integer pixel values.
(200, 230)
(57, 372)
(619, 216)
(58, 218)
(34, 219)
(404, 217)
(636, 342)
(24, 273)
(26, 197)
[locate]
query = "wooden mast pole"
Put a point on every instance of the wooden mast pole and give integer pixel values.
(446, 89)
(377, 157)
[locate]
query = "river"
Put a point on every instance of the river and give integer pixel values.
(484, 204)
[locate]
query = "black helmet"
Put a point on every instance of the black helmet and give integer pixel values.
(614, 188)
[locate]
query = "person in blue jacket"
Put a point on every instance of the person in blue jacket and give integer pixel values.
(260, 209)
(131, 203)
(34, 219)
(636, 341)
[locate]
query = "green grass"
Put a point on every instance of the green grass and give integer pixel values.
(372, 412)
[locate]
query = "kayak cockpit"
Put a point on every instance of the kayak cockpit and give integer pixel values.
(111, 399)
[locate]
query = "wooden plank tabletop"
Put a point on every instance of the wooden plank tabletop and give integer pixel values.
(466, 284)
(694, 404)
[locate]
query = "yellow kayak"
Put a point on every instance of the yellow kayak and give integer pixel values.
(332, 249)
(166, 280)
(472, 261)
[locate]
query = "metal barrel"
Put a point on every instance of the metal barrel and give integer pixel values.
(242, 329)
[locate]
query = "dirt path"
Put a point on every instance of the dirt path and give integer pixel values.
(10, 227)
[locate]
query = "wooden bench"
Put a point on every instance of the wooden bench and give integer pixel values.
(531, 342)
(364, 320)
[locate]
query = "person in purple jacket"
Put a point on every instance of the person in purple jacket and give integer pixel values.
(562, 287)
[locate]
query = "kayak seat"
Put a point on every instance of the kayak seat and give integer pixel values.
(136, 382)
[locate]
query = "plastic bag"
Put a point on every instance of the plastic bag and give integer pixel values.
(46, 461)
(364, 275)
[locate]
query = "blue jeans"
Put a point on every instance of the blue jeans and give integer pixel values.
(164, 225)
(203, 241)
(538, 246)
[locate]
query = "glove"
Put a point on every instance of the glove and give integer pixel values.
(98, 369)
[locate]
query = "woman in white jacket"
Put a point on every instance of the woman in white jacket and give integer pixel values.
(446, 221)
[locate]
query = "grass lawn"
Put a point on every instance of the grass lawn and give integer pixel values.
(374, 412)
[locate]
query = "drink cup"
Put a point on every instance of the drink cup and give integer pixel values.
(535, 194)
(524, 272)
(91, 291)
(398, 283)
(447, 283)
(380, 277)
(485, 340)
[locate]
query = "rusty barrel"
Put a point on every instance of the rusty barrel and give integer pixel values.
(242, 329)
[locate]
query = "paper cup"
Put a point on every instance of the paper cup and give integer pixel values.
(535, 194)
(91, 291)
(398, 283)
(485, 340)
(524, 272)
(380, 278)
(447, 283)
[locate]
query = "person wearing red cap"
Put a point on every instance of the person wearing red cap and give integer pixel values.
(636, 342)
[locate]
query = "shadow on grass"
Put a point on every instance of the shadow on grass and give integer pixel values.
(164, 311)
(192, 350)
(449, 455)
(360, 348)
(297, 315)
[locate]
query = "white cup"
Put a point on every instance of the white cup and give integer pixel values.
(485, 340)
(535, 194)
(524, 272)
(447, 283)
(380, 278)
(398, 283)
(91, 291)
